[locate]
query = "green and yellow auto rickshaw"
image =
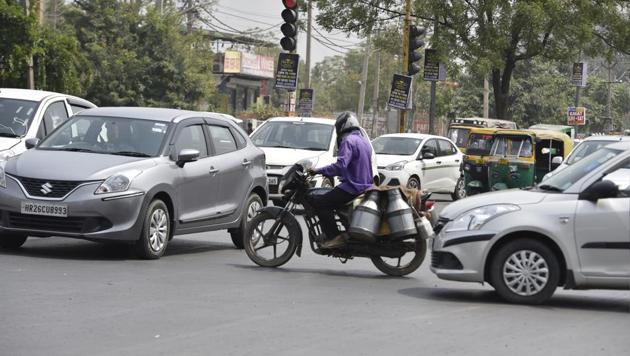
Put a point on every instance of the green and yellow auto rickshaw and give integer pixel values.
(520, 158)
(478, 147)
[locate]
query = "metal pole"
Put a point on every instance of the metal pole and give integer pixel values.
(309, 26)
(377, 69)
(405, 59)
(486, 98)
(31, 72)
(578, 89)
(364, 76)
(432, 107)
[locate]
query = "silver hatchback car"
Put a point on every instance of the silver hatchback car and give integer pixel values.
(573, 230)
(133, 174)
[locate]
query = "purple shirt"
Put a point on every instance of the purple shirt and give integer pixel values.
(354, 164)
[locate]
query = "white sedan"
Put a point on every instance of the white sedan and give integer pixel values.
(420, 161)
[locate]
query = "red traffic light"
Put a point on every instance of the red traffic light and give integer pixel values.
(289, 4)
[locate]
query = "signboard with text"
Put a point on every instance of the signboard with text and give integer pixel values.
(232, 62)
(287, 72)
(434, 70)
(256, 65)
(401, 91)
(576, 115)
(305, 102)
(579, 74)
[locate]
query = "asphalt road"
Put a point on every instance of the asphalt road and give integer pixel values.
(70, 297)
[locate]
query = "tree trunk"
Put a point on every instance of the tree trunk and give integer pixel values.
(501, 88)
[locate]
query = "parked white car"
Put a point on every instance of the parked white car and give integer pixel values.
(585, 148)
(287, 140)
(572, 230)
(420, 161)
(28, 114)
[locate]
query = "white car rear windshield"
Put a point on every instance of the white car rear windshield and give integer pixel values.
(294, 134)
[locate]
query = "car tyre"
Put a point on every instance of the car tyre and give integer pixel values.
(413, 182)
(525, 271)
(156, 231)
(12, 240)
(460, 190)
(254, 203)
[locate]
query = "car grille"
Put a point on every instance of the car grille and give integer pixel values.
(445, 260)
(440, 225)
(48, 188)
(75, 225)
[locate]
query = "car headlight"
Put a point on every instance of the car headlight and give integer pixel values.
(5, 155)
(117, 183)
(475, 218)
(3, 176)
(396, 166)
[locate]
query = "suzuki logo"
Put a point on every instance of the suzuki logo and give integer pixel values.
(46, 188)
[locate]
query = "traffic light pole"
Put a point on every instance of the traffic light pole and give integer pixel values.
(405, 60)
(432, 106)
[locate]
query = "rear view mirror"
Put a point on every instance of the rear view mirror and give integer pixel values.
(600, 190)
(186, 156)
(31, 142)
(557, 160)
(427, 155)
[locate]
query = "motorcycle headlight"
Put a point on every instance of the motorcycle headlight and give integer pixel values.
(3, 176)
(5, 155)
(474, 219)
(396, 166)
(117, 183)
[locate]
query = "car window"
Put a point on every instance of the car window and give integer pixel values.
(240, 140)
(55, 115)
(459, 136)
(431, 146)
(621, 177)
(16, 116)
(446, 148)
(294, 134)
(584, 149)
(192, 137)
(400, 146)
(77, 108)
(222, 139)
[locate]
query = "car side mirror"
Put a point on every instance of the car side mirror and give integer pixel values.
(557, 160)
(187, 155)
(427, 155)
(600, 190)
(31, 142)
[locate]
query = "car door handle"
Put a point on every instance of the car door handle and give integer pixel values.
(438, 162)
(456, 161)
(213, 170)
(246, 163)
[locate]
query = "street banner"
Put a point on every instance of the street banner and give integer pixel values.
(306, 102)
(434, 70)
(232, 62)
(401, 90)
(576, 115)
(256, 65)
(287, 72)
(579, 75)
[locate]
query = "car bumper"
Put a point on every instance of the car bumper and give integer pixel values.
(460, 256)
(90, 217)
(387, 177)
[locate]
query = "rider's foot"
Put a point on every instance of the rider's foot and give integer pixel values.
(337, 242)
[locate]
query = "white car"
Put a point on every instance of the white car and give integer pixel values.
(420, 161)
(585, 148)
(287, 140)
(572, 230)
(28, 114)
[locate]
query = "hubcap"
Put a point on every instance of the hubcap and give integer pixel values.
(525, 273)
(413, 183)
(158, 230)
(461, 188)
(253, 209)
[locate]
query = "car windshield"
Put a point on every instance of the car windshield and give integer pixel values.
(584, 149)
(108, 135)
(479, 144)
(400, 146)
(294, 134)
(514, 146)
(16, 116)
(568, 176)
(459, 136)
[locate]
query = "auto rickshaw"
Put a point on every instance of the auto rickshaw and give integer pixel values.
(520, 158)
(476, 159)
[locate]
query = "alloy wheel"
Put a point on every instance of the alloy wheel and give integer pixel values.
(525, 273)
(158, 230)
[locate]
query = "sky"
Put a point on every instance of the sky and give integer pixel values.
(246, 14)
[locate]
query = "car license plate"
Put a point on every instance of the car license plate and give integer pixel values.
(45, 209)
(272, 180)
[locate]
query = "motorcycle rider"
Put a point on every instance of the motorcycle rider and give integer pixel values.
(354, 167)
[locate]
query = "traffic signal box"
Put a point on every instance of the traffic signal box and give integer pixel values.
(416, 35)
(289, 28)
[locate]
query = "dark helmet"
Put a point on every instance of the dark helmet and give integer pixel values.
(346, 122)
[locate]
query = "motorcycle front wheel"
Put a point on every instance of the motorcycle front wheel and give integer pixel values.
(406, 264)
(268, 246)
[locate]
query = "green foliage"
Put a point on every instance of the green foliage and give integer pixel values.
(261, 112)
(17, 37)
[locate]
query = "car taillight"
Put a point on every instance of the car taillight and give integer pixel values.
(429, 204)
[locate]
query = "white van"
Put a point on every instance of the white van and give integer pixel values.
(287, 140)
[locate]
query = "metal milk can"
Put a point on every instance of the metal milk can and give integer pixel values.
(399, 215)
(366, 218)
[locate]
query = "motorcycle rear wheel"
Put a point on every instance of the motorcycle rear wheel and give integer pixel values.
(398, 269)
(259, 241)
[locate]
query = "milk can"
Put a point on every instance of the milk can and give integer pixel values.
(399, 215)
(366, 218)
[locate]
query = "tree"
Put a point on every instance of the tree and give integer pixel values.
(17, 38)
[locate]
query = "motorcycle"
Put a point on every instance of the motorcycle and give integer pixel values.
(274, 235)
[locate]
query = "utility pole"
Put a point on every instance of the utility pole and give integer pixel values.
(364, 75)
(405, 60)
(31, 72)
(377, 77)
(486, 98)
(309, 26)
(432, 107)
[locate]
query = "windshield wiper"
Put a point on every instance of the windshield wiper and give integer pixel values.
(130, 153)
(312, 148)
(279, 146)
(74, 149)
(549, 187)
(8, 134)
